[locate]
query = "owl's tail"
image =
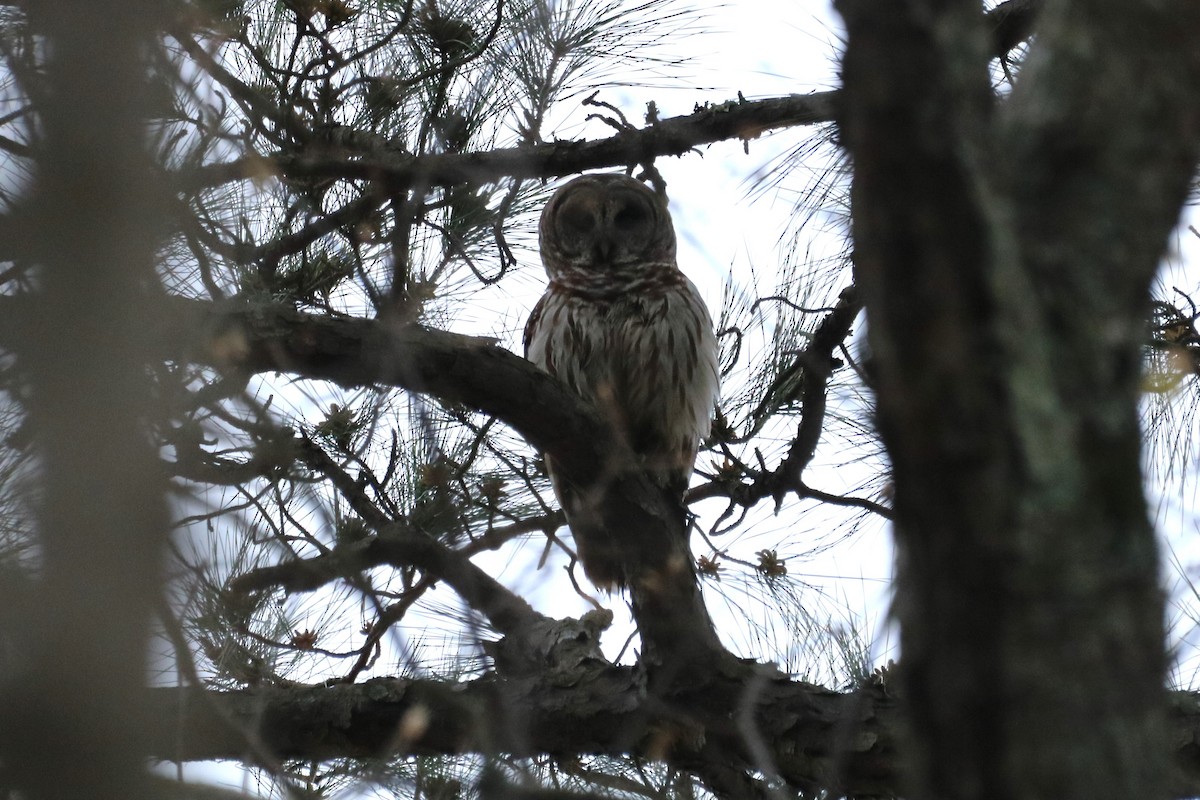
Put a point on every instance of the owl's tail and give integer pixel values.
(608, 521)
(631, 533)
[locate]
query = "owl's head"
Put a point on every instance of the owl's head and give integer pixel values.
(605, 223)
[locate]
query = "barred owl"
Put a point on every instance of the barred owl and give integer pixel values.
(623, 327)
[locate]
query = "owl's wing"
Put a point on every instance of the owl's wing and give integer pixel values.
(598, 552)
(534, 321)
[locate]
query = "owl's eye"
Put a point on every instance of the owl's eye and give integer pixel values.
(631, 215)
(577, 219)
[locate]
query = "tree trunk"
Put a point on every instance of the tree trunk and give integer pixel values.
(73, 721)
(1005, 249)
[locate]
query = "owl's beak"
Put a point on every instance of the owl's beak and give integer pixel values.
(603, 249)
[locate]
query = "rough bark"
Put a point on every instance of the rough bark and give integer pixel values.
(1005, 254)
(816, 738)
(841, 742)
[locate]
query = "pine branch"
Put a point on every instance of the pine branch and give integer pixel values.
(817, 363)
(844, 743)
(1012, 24)
(359, 157)
(817, 738)
(400, 546)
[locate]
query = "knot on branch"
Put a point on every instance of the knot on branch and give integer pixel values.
(560, 651)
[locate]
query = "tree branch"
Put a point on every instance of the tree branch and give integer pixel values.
(400, 546)
(359, 158)
(844, 743)
(817, 738)
(1011, 23)
(817, 363)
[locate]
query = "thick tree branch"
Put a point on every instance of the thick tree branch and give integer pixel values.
(817, 738)
(840, 742)
(252, 338)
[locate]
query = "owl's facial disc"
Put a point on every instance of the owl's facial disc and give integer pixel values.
(605, 227)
